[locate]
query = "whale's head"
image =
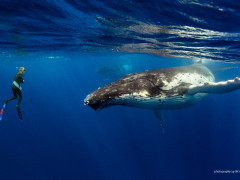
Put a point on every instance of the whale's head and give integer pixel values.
(101, 98)
(127, 91)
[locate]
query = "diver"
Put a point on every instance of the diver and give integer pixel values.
(16, 88)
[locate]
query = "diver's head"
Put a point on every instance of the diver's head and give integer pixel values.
(21, 69)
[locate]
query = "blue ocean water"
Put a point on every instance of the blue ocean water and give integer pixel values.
(63, 44)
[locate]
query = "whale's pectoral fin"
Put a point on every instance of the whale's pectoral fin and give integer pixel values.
(216, 87)
(158, 114)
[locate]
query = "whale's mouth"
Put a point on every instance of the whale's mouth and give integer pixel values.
(89, 100)
(95, 102)
(94, 106)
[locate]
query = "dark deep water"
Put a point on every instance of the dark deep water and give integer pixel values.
(70, 48)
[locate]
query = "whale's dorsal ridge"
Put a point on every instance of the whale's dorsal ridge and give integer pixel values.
(199, 62)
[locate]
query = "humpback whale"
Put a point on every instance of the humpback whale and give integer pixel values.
(114, 71)
(166, 88)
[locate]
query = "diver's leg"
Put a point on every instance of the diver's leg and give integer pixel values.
(14, 96)
(19, 97)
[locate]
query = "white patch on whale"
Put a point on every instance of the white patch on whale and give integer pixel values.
(193, 79)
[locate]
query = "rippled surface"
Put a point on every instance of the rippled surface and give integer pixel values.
(184, 28)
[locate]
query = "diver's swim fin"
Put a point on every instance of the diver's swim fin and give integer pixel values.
(2, 111)
(19, 113)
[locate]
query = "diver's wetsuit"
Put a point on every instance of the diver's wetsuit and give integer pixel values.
(16, 88)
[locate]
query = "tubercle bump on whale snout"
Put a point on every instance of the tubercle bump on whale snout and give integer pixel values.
(92, 102)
